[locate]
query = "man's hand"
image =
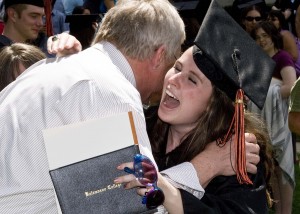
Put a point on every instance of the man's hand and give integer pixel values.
(63, 44)
(215, 160)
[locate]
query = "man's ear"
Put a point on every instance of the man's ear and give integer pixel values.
(158, 57)
(12, 14)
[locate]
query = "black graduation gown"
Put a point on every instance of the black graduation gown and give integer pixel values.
(223, 194)
(226, 195)
(4, 41)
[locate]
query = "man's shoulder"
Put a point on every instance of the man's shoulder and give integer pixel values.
(5, 41)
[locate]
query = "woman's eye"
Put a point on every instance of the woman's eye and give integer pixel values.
(177, 70)
(192, 80)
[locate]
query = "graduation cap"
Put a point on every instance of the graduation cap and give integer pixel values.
(83, 20)
(8, 3)
(186, 8)
(234, 63)
(192, 8)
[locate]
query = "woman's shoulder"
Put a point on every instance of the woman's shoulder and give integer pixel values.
(283, 54)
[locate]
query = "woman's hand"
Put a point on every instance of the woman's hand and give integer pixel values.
(129, 181)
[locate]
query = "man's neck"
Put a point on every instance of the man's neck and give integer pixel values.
(11, 33)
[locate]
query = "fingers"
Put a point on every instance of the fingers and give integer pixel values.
(141, 191)
(252, 153)
(50, 44)
(63, 44)
(251, 168)
(123, 165)
(249, 137)
(252, 158)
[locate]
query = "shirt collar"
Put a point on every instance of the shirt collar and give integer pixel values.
(118, 59)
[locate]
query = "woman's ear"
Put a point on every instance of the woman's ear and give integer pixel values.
(158, 57)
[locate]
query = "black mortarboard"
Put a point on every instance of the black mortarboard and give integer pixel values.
(8, 3)
(234, 63)
(82, 20)
(237, 59)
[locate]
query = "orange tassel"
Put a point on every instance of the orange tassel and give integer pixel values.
(239, 142)
(48, 11)
(239, 126)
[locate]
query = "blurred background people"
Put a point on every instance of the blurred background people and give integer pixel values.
(286, 8)
(238, 6)
(15, 59)
(250, 16)
(99, 6)
(69, 5)
(83, 25)
(23, 20)
(294, 108)
(59, 6)
(58, 25)
(289, 40)
(275, 113)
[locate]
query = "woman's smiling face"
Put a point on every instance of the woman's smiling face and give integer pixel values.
(186, 92)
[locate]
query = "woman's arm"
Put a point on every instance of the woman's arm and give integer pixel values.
(288, 75)
(289, 44)
(173, 201)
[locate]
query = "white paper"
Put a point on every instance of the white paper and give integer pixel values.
(80, 141)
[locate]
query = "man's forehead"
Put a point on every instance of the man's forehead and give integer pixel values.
(34, 10)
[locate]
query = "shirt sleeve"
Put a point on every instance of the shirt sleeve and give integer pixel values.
(184, 176)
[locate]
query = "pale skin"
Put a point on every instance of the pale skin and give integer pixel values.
(65, 45)
(187, 83)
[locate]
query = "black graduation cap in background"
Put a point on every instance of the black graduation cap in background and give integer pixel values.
(186, 8)
(8, 3)
(234, 63)
(82, 20)
(192, 8)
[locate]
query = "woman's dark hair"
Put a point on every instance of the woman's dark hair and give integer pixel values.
(271, 30)
(246, 10)
(212, 125)
(279, 15)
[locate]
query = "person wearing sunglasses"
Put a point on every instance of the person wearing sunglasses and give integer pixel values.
(275, 113)
(250, 16)
(203, 100)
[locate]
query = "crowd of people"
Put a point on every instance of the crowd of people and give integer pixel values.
(218, 119)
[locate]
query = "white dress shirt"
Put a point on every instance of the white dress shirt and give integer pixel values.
(94, 83)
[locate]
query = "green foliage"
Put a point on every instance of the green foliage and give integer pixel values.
(296, 201)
